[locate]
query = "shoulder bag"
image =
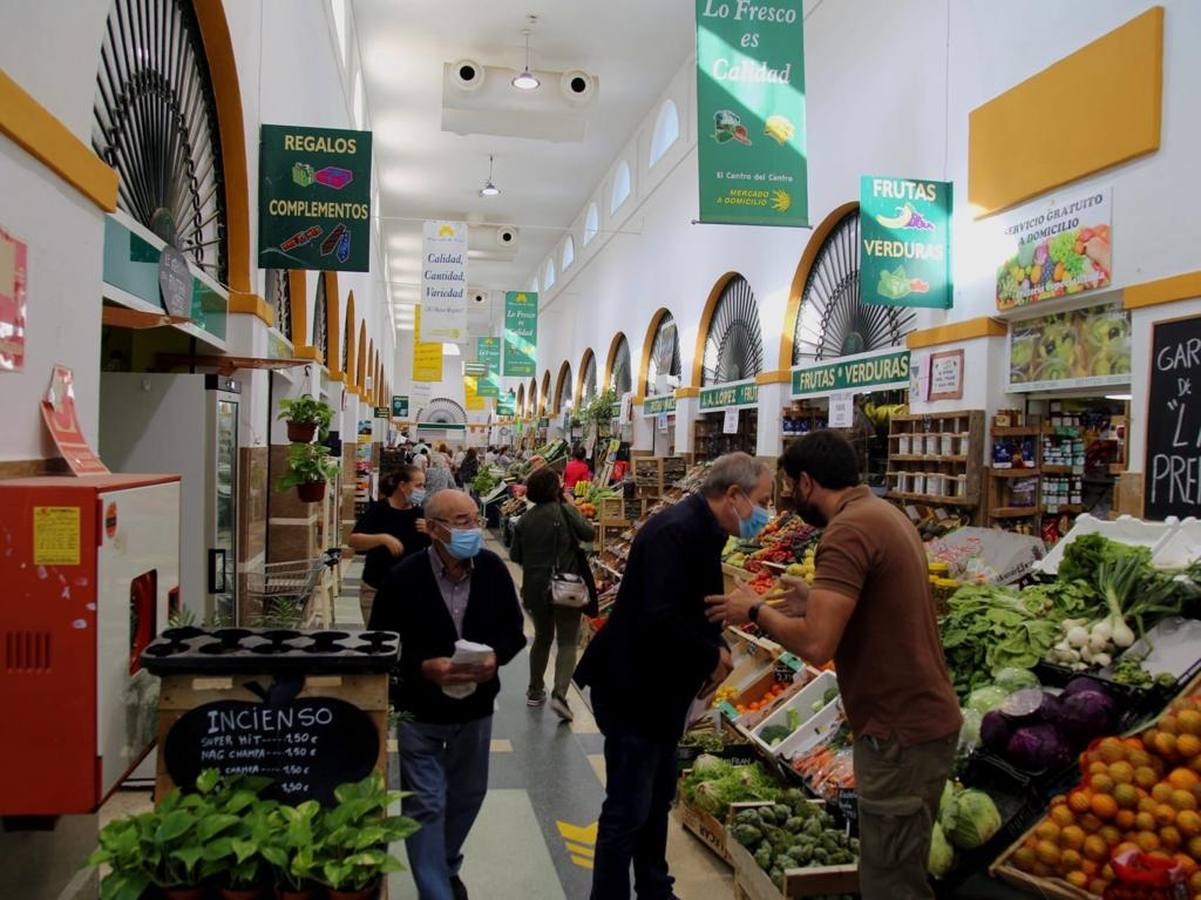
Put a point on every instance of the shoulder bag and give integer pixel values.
(566, 588)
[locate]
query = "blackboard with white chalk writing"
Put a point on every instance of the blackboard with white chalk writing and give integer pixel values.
(1173, 466)
(307, 746)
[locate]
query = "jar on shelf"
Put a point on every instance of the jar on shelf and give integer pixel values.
(919, 483)
(947, 443)
(932, 444)
(934, 484)
(904, 445)
(965, 443)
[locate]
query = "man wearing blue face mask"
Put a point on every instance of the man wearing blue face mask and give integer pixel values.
(657, 638)
(454, 590)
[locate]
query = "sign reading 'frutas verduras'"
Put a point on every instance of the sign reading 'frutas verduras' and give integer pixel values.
(750, 87)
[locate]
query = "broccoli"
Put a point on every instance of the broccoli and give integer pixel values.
(748, 835)
(782, 813)
(748, 817)
(794, 824)
(763, 857)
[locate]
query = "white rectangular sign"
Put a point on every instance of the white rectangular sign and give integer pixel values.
(444, 282)
(730, 425)
(842, 410)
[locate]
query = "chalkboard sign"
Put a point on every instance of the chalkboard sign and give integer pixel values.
(1173, 465)
(308, 746)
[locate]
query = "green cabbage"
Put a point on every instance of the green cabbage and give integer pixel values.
(710, 766)
(1011, 680)
(970, 819)
(986, 699)
(942, 856)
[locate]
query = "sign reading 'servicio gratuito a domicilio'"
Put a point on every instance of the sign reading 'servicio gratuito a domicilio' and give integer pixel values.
(314, 198)
(750, 78)
(905, 242)
(889, 370)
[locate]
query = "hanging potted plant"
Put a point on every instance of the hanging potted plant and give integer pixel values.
(309, 468)
(306, 416)
(289, 850)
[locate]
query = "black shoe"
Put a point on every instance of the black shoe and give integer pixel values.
(459, 889)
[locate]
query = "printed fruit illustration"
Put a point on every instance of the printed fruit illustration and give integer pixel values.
(900, 220)
(779, 128)
(727, 126)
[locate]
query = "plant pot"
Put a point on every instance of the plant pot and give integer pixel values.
(288, 894)
(368, 893)
(301, 432)
(184, 893)
(253, 893)
(311, 491)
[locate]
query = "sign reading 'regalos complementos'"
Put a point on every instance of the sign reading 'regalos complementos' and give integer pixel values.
(314, 198)
(750, 86)
(905, 242)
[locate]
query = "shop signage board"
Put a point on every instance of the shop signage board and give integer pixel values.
(842, 410)
(487, 351)
(506, 405)
(471, 398)
(14, 255)
(905, 242)
(946, 375)
(174, 282)
(743, 393)
(1173, 464)
(653, 406)
(1055, 247)
(314, 198)
(400, 406)
(1084, 348)
(855, 373)
(750, 86)
(380, 412)
(521, 333)
(444, 281)
(427, 355)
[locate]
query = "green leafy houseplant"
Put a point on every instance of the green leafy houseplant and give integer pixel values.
(309, 466)
(306, 415)
(290, 847)
(600, 408)
(351, 848)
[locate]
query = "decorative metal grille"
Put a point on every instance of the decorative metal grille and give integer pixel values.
(321, 321)
(665, 353)
(588, 387)
(620, 380)
(734, 344)
(831, 321)
(279, 293)
(565, 386)
(444, 411)
(154, 120)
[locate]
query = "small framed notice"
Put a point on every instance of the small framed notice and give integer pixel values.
(946, 375)
(730, 425)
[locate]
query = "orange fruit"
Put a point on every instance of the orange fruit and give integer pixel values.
(1069, 860)
(1079, 801)
(1189, 721)
(1111, 749)
(1147, 804)
(1125, 819)
(1149, 738)
(1195, 764)
(1112, 835)
(1095, 848)
(1194, 848)
(1047, 853)
(1183, 800)
(1139, 757)
(1097, 886)
(1189, 822)
(1122, 772)
(1168, 723)
(1188, 745)
(1090, 823)
(1047, 830)
(1194, 882)
(1165, 745)
(1148, 841)
(1145, 821)
(1126, 795)
(1105, 807)
(1145, 777)
(1183, 779)
(1024, 859)
(1041, 870)
(1124, 847)
(1169, 837)
(1162, 792)
(1072, 837)
(1107, 872)
(1062, 815)
(1076, 879)
(1090, 868)
(1164, 814)
(1101, 782)
(1185, 861)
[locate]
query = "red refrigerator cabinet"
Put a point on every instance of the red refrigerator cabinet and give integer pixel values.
(89, 567)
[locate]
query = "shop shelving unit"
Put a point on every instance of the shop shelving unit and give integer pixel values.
(711, 443)
(1001, 510)
(936, 459)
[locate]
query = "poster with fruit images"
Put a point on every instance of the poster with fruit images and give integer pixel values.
(905, 242)
(1083, 348)
(1056, 247)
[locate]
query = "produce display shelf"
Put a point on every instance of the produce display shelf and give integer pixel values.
(752, 883)
(1015, 512)
(934, 499)
(909, 457)
(1024, 472)
(1017, 431)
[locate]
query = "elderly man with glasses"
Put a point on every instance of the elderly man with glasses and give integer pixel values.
(455, 589)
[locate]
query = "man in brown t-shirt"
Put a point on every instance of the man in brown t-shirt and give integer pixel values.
(870, 610)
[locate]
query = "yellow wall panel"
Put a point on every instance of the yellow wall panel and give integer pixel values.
(1108, 99)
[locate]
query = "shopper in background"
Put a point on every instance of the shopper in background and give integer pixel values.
(577, 468)
(469, 467)
(389, 529)
(503, 459)
(421, 458)
(454, 590)
(870, 610)
(441, 455)
(438, 476)
(456, 461)
(490, 456)
(658, 638)
(546, 540)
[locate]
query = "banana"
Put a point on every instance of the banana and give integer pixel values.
(780, 128)
(900, 220)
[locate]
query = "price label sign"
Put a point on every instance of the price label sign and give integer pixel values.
(842, 410)
(730, 425)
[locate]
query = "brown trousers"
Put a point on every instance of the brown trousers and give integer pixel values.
(899, 789)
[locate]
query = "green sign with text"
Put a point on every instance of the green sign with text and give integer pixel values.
(652, 406)
(521, 333)
(314, 198)
(400, 406)
(506, 404)
(722, 396)
(487, 351)
(750, 88)
(905, 242)
(872, 373)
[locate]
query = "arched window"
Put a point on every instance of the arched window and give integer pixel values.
(621, 186)
(587, 376)
(664, 357)
(734, 341)
(568, 252)
(549, 278)
(544, 393)
(279, 295)
(620, 378)
(591, 224)
(667, 129)
(531, 398)
(519, 405)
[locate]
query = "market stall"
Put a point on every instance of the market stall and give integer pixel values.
(728, 421)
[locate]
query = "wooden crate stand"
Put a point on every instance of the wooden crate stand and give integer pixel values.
(752, 883)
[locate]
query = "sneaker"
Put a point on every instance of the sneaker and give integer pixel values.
(561, 709)
(535, 700)
(458, 888)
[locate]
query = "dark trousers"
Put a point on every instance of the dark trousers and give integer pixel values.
(640, 782)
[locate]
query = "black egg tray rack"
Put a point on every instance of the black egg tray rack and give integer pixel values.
(256, 650)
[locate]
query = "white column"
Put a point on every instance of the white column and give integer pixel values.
(644, 431)
(687, 410)
(770, 437)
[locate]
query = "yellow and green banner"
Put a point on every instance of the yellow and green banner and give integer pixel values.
(427, 356)
(521, 333)
(905, 242)
(487, 351)
(471, 395)
(750, 87)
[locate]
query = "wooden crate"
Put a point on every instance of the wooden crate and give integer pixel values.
(612, 508)
(752, 883)
(710, 830)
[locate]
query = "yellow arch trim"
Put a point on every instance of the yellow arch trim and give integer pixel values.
(702, 333)
(351, 346)
(644, 368)
(333, 325)
(302, 344)
(611, 357)
(804, 267)
(544, 393)
(519, 401)
(579, 376)
(560, 383)
(361, 365)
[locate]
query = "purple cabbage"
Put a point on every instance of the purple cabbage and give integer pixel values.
(995, 732)
(1087, 714)
(1038, 747)
(1030, 707)
(1085, 683)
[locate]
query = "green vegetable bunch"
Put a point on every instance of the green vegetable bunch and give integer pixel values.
(793, 833)
(713, 784)
(1062, 249)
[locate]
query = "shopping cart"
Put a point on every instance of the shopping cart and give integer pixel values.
(282, 594)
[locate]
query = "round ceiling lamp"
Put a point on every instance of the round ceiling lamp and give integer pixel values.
(525, 80)
(489, 189)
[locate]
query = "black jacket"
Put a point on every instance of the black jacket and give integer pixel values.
(648, 663)
(410, 603)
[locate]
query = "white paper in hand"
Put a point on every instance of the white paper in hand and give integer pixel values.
(467, 653)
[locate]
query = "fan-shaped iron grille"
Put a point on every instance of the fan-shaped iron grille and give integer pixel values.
(734, 344)
(832, 321)
(531, 398)
(443, 411)
(665, 353)
(620, 379)
(566, 386)
(154, 120)
(321, 323)
(588, 385)
(279, 293)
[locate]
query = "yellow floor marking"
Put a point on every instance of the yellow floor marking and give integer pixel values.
(582, 863)
(500, 745)
(580, 834)
(577, 850)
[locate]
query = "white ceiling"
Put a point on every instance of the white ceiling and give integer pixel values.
(634, 46)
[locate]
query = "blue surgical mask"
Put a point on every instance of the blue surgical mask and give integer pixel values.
(465, 543)
(750, 527)
(417, 496)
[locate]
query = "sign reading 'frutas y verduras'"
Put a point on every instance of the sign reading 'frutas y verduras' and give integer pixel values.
(750, 86)
(314, 198)
(444, 282)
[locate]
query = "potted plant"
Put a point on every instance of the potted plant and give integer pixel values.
(305, 416)
(309, 468)
(290, 850)
(352, 846)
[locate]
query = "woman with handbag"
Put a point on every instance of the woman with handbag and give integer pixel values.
(556, 584)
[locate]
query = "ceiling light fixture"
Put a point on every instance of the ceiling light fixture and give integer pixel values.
(489, 189)
(525, 80)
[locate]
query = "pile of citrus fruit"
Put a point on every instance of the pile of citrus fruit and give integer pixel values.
(1141, 792)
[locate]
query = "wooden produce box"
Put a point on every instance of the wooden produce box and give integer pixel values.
(710, 830)
(752, 883)
(612, 508)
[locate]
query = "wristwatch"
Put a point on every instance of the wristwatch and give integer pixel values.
(753, 613)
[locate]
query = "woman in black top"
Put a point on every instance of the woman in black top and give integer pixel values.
(469, 468)
(390, 529)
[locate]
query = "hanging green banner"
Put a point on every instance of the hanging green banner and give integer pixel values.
(750, 87)
(521, 333)
(314, 198)
(400, 406)
(506, 404)
(487, 351)
(905, 242)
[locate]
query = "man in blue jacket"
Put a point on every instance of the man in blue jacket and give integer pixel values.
(652, 659)
(455, 589)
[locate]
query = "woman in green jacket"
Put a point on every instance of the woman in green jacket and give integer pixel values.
(546, 538)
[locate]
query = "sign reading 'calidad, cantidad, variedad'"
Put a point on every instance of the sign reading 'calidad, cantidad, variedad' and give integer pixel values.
(905, 242)
(444, 282)
(750, 74)
(853, 374)
(314, 198)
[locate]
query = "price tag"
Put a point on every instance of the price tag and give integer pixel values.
(727, 710)
(730, 425)
(791, 661)
(842, 410)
